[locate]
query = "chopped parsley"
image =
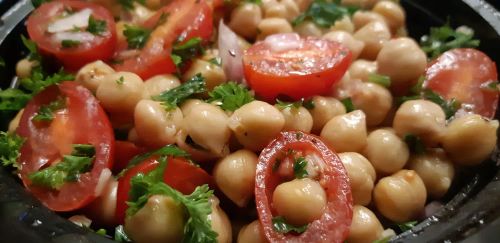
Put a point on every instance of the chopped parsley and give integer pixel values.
(2, 62)
(254, 1)
(120, 80)
(172, 98)
(445, 38)
(136, 36)
(37, 3)
(10, 144)
(415, 144)
(13, 99)
(299, 168)
(197, 204)
(68, 170)
(216, 61)
(308, 104)
(281, 226)
(380, 79)
(96, 27)
(383, 240)
(407, 226)
(324, 13)
(182, 52)
(349, 106)
(33, 55)
(70, 43)
(129, 4)
(230, 96)
(45, 113)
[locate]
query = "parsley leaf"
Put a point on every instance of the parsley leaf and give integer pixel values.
(37, 3)
(39, 80)
(2, 62)
(308, 104)
(186, 51)
(13, 99)
(45, 111)
(33, 55)
(230, 96)
(299, 168)
(491, 86)
(383, 240)
(171, 98)
(254, 1)
(445, 38)
(381, 80)
(407, 226)
(415, 144)
(129, 4)
(136, 36)
(449, 107)
(70, 43)
(324, 13)
(95, 26)
(216, 61)
(68, 170)
(10, 144)
(349, 106)
(120, 80)
(281, 226)
(197, 204)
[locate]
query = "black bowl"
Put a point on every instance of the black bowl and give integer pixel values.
(472, 210)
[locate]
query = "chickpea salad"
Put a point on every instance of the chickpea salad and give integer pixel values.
(245, 121)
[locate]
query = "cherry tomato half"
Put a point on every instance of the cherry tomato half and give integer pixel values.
(83, 121)
(333, 226)
(463, 74)
(285, 64)
(125, 151)
(186, 19)
(88, 47)
(180, 174)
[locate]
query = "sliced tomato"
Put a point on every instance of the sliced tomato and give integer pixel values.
(180, 174)
(181, 21)
(83, 121)
(464, 74)
(333, 226)
(285, 64)
(91, 47)
(125, 151)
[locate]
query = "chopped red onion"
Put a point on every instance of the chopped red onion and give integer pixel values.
(230, 53)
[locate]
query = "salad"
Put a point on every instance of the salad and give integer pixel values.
(245, 121)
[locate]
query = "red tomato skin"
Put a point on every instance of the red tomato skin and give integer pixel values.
(189, 19)
(88, 124)
(125, 151)
(179, 174)
(334, 225)
(72, 58)
(269, 84)
(462, 74)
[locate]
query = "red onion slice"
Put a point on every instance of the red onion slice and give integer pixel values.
(230, 53)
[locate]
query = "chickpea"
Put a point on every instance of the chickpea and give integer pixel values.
(297, 119)
(255, 124)
(366, 4)
(93, 74)
(387, 152)
(300, 201)
(214, 134)
(374, 100)
(239, 189)
(303, 4)
(214, 75)
(361, 176)
(343, 24)
(402, 60)
(435, 169)
(161, 220)
(270, 26)
(347, 40)
(252, 233)
(220, 222)
(158, 84)
(308, 28)
(374, 35)
(103, 208)
(275, 10)
(470, 139)
(362, 18)
(14, 123)
(155, 126)
(421, 118)
(24, 67)
(346, 133)
(400, 197)
(292, 9)
(365, 226)
(325, 108)
(361, 69)
(245, 18)
(119, 92)
(392, 12)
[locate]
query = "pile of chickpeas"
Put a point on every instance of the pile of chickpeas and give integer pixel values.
(385, 177)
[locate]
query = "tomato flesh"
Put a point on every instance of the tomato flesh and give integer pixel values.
(463, 74)
(333, 226)
(300, 72)
(101, 47)
(125, 151)
(179, 174)
(82, 122)
(186, 20)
